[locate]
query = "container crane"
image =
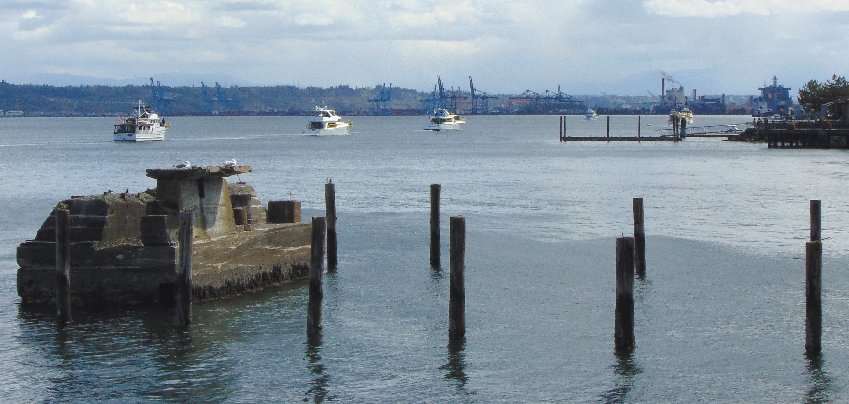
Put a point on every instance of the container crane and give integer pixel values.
(480, 99)
(380, 104)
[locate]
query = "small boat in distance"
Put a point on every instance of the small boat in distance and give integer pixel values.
(685, 113)
(326, 120)
(591, 114)
(444, 120)
(147, 125)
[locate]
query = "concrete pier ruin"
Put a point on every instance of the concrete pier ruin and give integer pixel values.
(124, 251)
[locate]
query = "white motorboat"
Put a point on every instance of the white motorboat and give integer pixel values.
(685, 113)
(326, 121)
(591, 114)
(147, 125)
(444, 120)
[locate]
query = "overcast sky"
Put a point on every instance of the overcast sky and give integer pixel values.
(585, 46)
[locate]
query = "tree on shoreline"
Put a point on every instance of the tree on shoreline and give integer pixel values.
(814, 94)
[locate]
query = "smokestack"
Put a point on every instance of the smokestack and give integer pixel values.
(663, 87)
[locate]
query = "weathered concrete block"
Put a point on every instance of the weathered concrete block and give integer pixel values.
(284, 211)
(154, 231)
(240, 216)
(241, 200)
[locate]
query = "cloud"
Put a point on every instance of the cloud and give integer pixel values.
(729, 8)
(227, 21)
(506, 45)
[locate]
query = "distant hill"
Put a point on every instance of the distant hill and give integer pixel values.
(104, 100)
(215, 99)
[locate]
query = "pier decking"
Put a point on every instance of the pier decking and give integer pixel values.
(674, 134)
(799, 135)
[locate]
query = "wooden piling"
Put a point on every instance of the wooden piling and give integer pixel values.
(457, 300)
(638, 126)
(816, 220)
(330, 203)
(63, 266)
(675, 131)
(184, 274)
(608, 126)
(813, 298)
(316, 273)
(639, 238)
(624, 317)
(561, 128)
(683, 128)
(434, 225)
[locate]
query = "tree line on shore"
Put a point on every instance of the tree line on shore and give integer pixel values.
(102, 100)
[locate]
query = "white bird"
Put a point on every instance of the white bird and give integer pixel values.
(185, 164)
(230, 163)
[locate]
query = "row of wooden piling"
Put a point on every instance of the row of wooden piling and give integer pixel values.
(639, 136)
(630, 254)
(630, 259)
(457, 298)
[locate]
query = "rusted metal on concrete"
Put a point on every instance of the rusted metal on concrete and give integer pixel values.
(184, 273)
(63, 267)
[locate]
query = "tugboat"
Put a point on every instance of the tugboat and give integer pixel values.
(146, 125)
(326, 121)
(444, 120)
(591, 115)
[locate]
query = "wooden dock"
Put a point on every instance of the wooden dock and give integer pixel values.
(807, 138)
(799, 134)
(675, 134)
(619, 139)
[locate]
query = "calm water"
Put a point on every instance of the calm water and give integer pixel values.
(720, 316)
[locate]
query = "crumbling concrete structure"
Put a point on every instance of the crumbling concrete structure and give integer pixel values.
(123, 247)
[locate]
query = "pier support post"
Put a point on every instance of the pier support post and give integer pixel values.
(683, 128)
(184, 274)
(63, 266)
(561, 128)
(813, 298)
(639, 127)
(330, 202)
(457, 302)
(816, 220)
(434, 225)
(608, 126)
(316, 274)
(639, 238)
(624, 317)
(675, 124)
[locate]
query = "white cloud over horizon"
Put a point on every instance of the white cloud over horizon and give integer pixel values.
(721, 46)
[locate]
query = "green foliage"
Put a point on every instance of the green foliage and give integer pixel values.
(814, 94)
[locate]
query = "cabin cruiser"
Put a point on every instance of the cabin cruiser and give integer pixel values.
(147, 125)
(444, 120)
(326, 120)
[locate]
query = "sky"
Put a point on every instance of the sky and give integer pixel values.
(617, 47)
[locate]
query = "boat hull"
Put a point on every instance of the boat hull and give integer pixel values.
(317, 128)
(436, 127)
(156, 134)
